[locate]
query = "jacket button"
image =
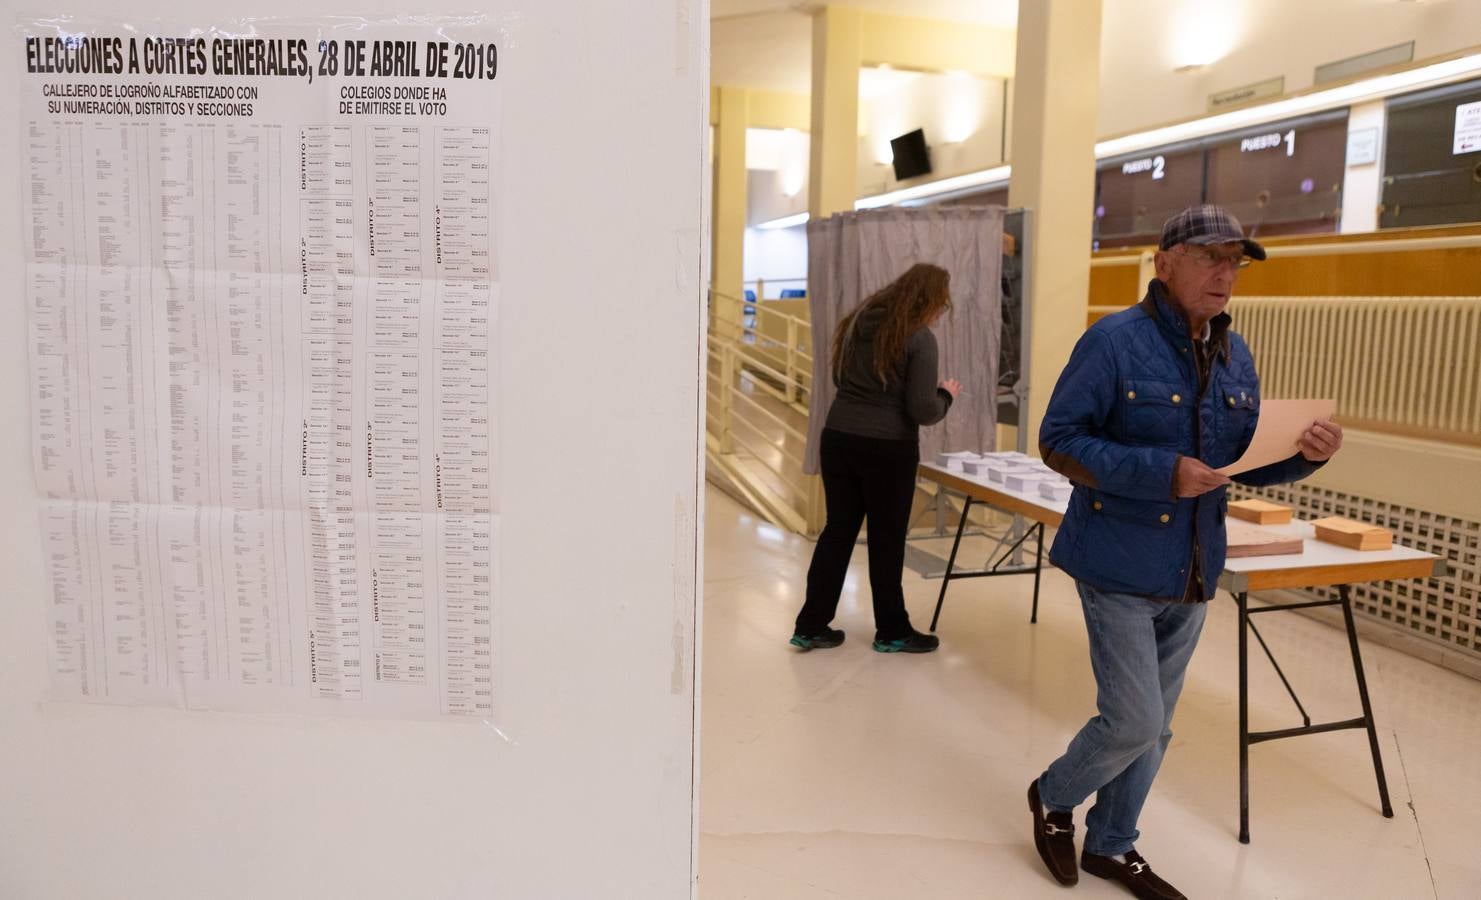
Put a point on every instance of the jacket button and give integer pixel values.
(1165, 518)
(1097, 504)
(1177, 398)
(1231, 399)
(1131, 395)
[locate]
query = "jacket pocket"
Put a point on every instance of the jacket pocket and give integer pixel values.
(1155, 514)
(1156, 413)
(1133, 546)
(1242, 398)
(1239, 410)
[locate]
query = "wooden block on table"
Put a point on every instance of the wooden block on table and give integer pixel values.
(1353, 535)
(1260, 512)
(1245, 541)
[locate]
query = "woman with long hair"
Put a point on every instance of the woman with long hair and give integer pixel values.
(884, 366)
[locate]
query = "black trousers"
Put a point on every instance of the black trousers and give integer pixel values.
(862, 477)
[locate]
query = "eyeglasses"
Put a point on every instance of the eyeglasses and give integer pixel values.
(1205, 258)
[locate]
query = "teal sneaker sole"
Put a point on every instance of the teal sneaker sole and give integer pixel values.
(902, 647)
(808, 643)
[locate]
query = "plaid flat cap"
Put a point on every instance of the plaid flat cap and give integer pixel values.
(1204, 225)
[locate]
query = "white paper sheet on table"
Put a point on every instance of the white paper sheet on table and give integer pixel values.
(1281, 424)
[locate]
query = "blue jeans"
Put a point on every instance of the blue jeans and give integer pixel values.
(1139, 650)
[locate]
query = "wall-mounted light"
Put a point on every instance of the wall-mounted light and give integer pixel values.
(888, 109)
(963, 101)
(1202, 33)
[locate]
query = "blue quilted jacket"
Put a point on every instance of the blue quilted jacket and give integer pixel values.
(1126, 407)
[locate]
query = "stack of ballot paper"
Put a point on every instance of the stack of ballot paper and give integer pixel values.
(1000, 470)
(1056, 490)
(1244, 541)
(1260, 512)
(978, 466)
(1353, 535)
(956, 459)
(1027, 481)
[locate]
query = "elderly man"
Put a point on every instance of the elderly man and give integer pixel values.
(1152, 401)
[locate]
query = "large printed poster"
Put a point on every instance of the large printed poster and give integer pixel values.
(262, 275)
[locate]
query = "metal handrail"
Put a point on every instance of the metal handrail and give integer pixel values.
(781, 376)
(756, 454)
(749, 429)
(772, 416)
(762, 350)
(787, 454)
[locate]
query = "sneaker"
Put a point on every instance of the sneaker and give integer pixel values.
(1054, 838)
(828, 637)
(1135, 874)
(914, 642)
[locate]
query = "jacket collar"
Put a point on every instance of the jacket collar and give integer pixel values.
(1158, 306)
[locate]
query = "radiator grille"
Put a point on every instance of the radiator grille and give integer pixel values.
(1404, 365)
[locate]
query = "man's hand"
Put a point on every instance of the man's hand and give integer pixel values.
(1321, 441)
(952, 387)
(1193, 478)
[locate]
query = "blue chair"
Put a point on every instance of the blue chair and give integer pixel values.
(793, 293)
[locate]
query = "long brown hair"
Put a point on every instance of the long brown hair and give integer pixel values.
(910, 302)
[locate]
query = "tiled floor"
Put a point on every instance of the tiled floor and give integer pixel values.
(848, 773)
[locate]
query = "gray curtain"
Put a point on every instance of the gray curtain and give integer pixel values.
(852, 255)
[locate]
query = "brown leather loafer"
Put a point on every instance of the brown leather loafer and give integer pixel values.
(1054, 838)
(1135, 874)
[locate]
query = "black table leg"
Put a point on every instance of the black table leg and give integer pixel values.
(1244, 718)
(1246, 738)
(1357, 667)
(951, 562)
(1038, 569)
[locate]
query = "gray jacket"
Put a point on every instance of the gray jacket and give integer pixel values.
(908, 398)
